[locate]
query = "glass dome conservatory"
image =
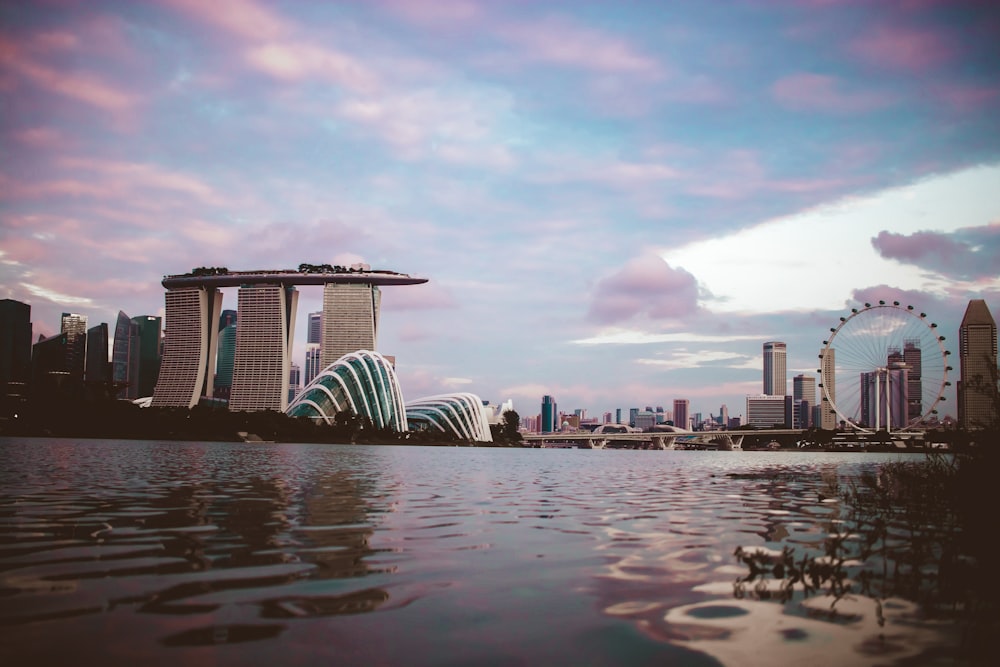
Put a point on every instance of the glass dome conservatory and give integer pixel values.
(460, 414)
(363, 383)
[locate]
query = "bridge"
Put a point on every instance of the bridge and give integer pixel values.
(722, 440)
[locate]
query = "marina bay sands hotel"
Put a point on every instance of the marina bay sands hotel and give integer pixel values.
(265, 329)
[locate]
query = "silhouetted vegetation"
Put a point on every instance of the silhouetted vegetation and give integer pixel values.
(920, 530)
(96, 416)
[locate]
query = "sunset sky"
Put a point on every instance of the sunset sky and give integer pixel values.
(614, 203)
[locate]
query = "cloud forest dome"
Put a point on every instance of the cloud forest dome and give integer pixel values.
(460, 413)
(362, 383)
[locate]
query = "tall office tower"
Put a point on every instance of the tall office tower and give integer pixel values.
(150, 351)
(724, 416)
(804, 393)
(313, 361)
(618, 415)
(294, 382)
(15, 343)
(350, 319)
(883, 397)
(97, 371)
(550, 415)
(977, 356)
(315, 332)
(914, 391)
(75, 327)
(681, 406)
(189, 345)
(264, 336)
(828, 380)
(607, 418)
(227, 318)
(775, 373)
(224, 362)
(125, 357)
(633, 413)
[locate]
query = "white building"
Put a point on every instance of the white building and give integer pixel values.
(190, 339)
(264, 332)
(350, 319)
(768, 411)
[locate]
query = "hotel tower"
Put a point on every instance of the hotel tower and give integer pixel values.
(190, 340)
(350, 320)
(977, 355)
(775, 380)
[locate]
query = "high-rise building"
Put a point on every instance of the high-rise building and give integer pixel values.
(618, 415)
(294, 382)
(313, 362)
(50, 375)
(350, 319)
(264, 334)
(724, 416)
(227, 318)
(15, 343)
(775, 373)
(550, 415)
(150, 351)
(804, 395)
(315, 332)
(632, 414)
(913, 359)
(883, 397)
(97, 371)
(828, 382)
(74, 326)
(681, 406)
(125, 357)
(189, 346)
(225, 359)
(977, 355)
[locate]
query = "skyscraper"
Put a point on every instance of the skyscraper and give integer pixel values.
(315, 331)
(775, 373)
(97, 371)
(681, 413)
(883, 397)
(294, 382)
(550, 415)
(913, 359)
(125, 357)
(15, 342)
(150, 329)
(226, 318)
(804, 398)
(313, 360)
(74, 326)
(828, 380)
(977, 355)
(225, 359)
(189, 346)
(264, 334)
(350, 319)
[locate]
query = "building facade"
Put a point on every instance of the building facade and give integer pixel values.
(977, 355)
(74, 326)
(769, 411)
(189, 347)
(350, 319)
(775, 369)
(550, 415)
(125, 357)
(681, 406)
(150, 351)
(828, 385)
(314, 334)
(884, 398)
(804, 395)
(264, 334)
(15, 344)
(225, 361)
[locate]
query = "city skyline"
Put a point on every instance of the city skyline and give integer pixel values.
(615, 207)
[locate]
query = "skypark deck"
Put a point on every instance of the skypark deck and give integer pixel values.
(289, 277)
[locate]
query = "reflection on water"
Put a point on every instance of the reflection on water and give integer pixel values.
(218, 552)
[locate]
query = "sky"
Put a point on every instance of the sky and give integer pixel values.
(614, 203)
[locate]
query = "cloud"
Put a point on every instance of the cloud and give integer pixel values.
(647, 286)
(896, 47)
(967, 253)
(825, 94)
(631, 337)
(428, 296)
(558, 41)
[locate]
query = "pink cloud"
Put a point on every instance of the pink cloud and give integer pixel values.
(910, 49)
(429, 296)
(80, 86)
(242, 18)
(647, 286)
(435, 13)
(969, 253)
(817, 92)
(558, 41)
(292, 61)
(967, 98)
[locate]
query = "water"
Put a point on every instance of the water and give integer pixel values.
(129, 552)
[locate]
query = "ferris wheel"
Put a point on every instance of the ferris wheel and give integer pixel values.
(884, 367)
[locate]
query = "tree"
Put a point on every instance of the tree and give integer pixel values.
(511, 426)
